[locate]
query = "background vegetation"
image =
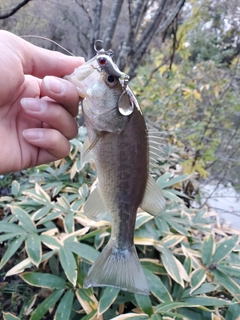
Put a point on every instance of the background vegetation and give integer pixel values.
(184, 58)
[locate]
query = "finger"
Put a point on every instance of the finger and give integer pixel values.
(51, 113)
(42, 62)
(51, 143)
(62, 91)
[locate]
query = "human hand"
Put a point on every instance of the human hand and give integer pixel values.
(36, 113)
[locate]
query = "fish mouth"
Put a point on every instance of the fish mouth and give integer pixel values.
(80, 76)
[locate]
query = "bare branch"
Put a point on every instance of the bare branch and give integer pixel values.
(147, 36)
(14, 9)
(109, 32)
(97, 9)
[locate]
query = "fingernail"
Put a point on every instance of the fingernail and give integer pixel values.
(32, 134)
(33, 105)
(55, 85)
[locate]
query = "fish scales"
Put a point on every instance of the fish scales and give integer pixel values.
(119, 143)
(122, 169)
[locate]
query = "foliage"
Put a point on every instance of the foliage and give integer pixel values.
(197, 104)
(44, 229)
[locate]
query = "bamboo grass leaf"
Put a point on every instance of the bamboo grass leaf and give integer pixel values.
(198, 276)
(11, 227)
(24, 219)
(68, 263)
(144, 304)
(43, 280)
(64, 308)
(87, 300)
(156, 287)
(107, 298)
(12, 248)
(83, 250)
(34, 248)
(227, 282)
(224, 248)
(47, 304)
(208, 249)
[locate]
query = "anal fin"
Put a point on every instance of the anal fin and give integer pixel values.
(94, 207)
(153, 201)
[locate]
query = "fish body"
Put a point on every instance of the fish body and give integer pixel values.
(120, 148)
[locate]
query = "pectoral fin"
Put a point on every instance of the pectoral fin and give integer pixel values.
(94, 207)
(153, 201)
(86, 154)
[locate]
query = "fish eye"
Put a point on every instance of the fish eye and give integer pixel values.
(111, 80)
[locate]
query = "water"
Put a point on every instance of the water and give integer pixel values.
(225, 200)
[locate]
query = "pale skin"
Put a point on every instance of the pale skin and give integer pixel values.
(37, 107)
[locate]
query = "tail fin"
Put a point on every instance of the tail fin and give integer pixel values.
(118, 268)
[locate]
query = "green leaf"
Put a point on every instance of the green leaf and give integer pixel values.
(68, 264)
(9, 316)
(64, 308)
(233, 312)
(204, 288)
(107, 298)
(51, 242)
(187, 265)
(156, 317)
(10, 227)
(8, 236)
(87, 300)
(170, 264)
(132, 316)
(24, 219)
(43, 280)
(142, 218)
(156, 287)
(69, 222)
(162, 225)
(12, 248)
(229, 270)
(192, 302)
(162, 180)
(198, 276)
(206, 301)
(174, 315)
(167, 306)
(90, 316)
(144, 304)
(224, 248)
(227, 282)
(171, 182)
(34, 248)
(47, 304)
(15, 188)
(171, 196)
(42, 212)
(83, 250)
(153, 265)
(208, 249)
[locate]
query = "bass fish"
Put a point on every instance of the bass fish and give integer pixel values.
(124, 152)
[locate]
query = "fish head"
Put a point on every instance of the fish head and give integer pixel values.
(108, 102)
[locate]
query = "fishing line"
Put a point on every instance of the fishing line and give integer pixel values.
(44, 38)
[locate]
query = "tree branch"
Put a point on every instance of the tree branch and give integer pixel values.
(109, 32)
(14, 9)
(97, 10)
